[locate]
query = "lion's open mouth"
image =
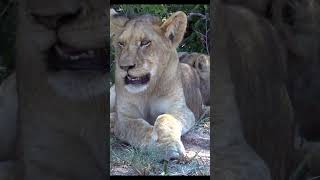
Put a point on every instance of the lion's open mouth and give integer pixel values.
(137, 80)
(63, 57)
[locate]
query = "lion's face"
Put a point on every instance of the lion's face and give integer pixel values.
(144, 47)
(139, 49)
(199, 61)
(202, 65)
(64, 43)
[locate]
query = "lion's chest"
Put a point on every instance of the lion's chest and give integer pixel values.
(156, 107)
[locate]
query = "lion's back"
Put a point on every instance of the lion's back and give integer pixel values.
(191, 88)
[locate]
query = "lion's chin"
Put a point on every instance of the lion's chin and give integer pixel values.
(78, 85)
(77, 73)
(134, 89)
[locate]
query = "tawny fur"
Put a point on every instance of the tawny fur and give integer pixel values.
(201, 63)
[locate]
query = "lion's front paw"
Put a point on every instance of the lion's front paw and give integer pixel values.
(172, 148)
(168, 131)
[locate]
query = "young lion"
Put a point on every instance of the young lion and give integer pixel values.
(201, 62)
(153, 105)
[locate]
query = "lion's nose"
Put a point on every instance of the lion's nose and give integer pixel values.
(126, 68)
(55, 20)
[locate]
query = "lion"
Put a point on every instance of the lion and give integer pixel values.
(201, 62)
(156, 101)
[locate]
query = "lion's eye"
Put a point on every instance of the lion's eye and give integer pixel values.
(145, 43)
(121, 44)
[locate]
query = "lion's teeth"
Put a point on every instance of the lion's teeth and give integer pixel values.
(84, 55)
(132, 78)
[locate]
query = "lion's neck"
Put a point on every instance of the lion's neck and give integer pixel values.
(170, 77)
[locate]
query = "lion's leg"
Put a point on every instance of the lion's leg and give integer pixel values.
(169, 128)
(136, 132)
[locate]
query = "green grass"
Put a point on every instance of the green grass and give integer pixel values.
(142, 162)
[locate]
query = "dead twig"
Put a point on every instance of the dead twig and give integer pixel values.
(204, 36)
(197, 14)
(207, 45)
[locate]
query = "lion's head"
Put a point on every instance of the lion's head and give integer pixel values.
(201, 63)
(62, 46)
(145, 48)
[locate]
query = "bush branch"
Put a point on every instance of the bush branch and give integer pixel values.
(197, 14)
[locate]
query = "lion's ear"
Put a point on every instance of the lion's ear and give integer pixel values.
(117, 23)
(175, 27)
